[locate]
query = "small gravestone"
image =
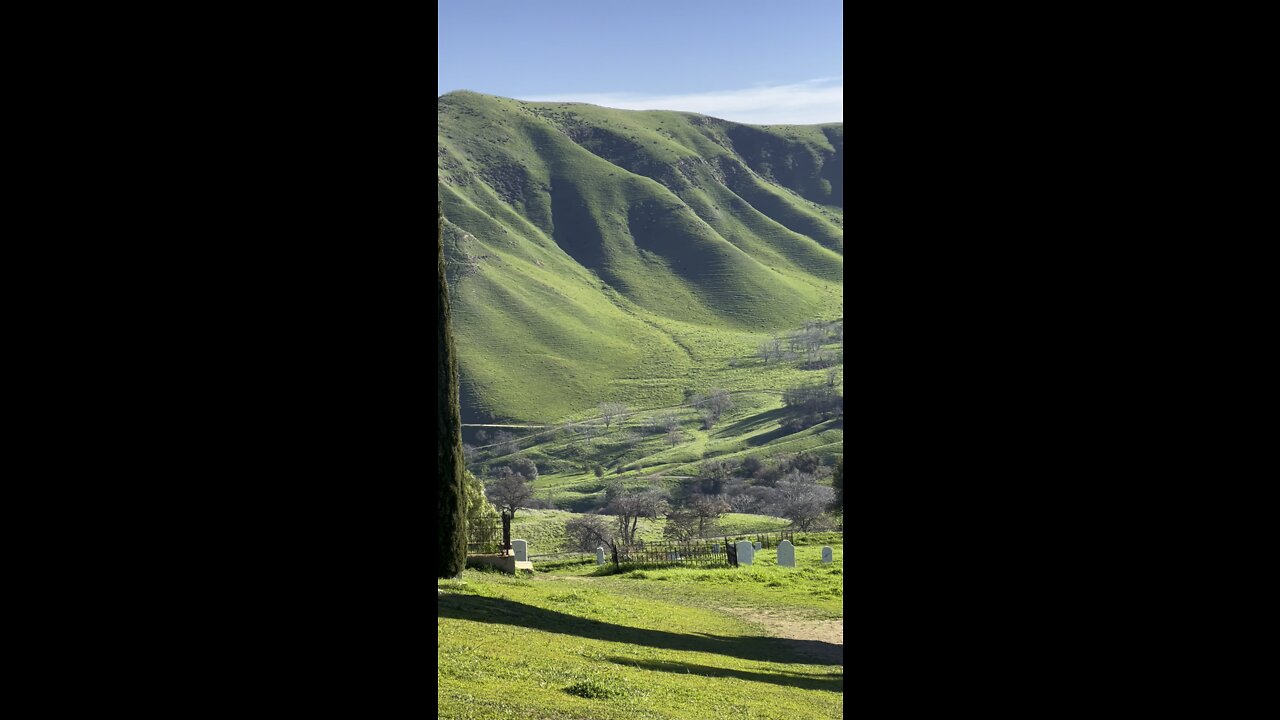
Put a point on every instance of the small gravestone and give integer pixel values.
(715, 547)
(746, 552)
(826, 555)
(522, 550)
(600, 556)
(786, 554)
(757, 546)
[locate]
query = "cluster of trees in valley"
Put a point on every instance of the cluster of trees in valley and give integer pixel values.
(797, 487)
(788, 486)
(614, 437)
(807, 346)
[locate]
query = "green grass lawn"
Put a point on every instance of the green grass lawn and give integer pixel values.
(580, 643)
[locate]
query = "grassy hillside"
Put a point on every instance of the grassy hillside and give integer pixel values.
(631, 450)
(605, 255)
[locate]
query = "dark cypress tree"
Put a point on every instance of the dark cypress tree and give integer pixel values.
(451, 521)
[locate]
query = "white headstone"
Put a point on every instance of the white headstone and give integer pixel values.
(826, 555)
(522, 550)
(756, 546)
(786, 554)
(600, 555)
(746, 553)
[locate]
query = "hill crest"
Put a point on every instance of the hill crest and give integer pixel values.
(600, 254)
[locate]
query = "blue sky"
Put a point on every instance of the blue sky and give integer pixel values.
(752, 61)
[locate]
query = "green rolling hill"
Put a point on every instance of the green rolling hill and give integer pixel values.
(606, 255)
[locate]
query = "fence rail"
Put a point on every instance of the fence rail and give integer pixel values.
(762, 535)
(669, 552)
(704, 552)
(485, 537)
(672, 554)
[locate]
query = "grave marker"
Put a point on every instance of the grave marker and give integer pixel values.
(826, 555)
(600, 555)
(786, 554)
(746, 552)
(521, 548)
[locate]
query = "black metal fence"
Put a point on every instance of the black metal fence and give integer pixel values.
(705, 552)
(671, 553)
(485, 536)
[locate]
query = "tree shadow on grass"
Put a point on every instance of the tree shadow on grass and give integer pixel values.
(831, 681)
(508, 612)
(753, 422)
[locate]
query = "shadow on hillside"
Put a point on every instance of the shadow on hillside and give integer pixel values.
(831, 682)
(508, 612)
(754, 422)
(781, 432)
(766, 438)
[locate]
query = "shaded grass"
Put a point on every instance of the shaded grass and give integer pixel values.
(544, 647)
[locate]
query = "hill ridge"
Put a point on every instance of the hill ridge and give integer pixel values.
(589, 245)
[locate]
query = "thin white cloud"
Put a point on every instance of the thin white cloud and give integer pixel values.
(805, 103)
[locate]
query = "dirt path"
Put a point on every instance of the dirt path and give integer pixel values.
(822, 640)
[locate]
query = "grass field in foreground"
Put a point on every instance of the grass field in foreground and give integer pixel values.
(647, 644)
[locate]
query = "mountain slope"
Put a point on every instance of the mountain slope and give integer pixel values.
(601, 254)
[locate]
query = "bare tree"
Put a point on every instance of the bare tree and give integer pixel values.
(632, 505)
(590, 430)
(833, 375)
(509, 490)
(681, 525)
(712, 405)
(668, 421)
(505, 443)
(589, 532)
(714, 474)
(764, 352)
(707, 510)
(675, 436)
(802, 501)
(754, 499)
(771, 350)
(613, 411)
(719, 400)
